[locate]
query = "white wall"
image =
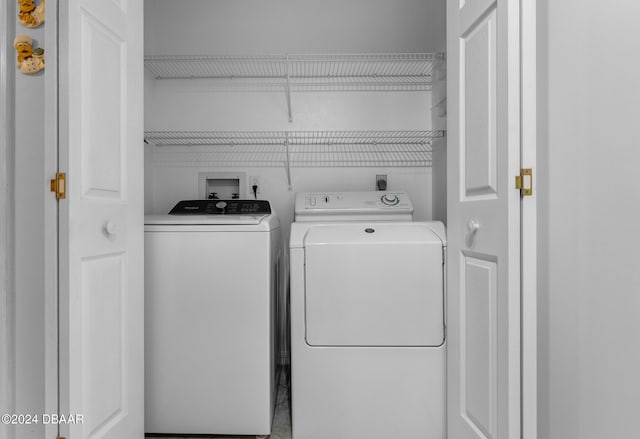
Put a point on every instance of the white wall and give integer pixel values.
(589, 279)
(28, 214)
(439, 122)
(263, 27)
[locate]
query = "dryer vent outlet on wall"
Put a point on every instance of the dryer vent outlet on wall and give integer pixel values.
(222, 185)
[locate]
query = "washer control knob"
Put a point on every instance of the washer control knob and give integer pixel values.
(390, 199)
(221, 205)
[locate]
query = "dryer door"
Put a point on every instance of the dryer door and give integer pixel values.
(373, 285)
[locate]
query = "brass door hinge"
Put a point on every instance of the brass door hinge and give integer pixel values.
(59, 185)
(524, 182)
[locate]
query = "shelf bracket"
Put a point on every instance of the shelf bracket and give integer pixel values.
(287, 88)
(286, 163)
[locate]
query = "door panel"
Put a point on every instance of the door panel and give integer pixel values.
(470, 12)
(101, 220)
(102, 88)
(478, 107)
(103, 297)
(483, 207)
(478, 343)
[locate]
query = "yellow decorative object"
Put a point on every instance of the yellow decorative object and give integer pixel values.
(31, 15)
(30, 60)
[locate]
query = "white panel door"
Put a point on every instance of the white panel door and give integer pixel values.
(483, 219)
(101, 220)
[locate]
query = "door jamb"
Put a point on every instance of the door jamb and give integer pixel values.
(528, 94)
(7, 335)
(51, 265)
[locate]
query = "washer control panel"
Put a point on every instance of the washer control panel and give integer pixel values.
(221, 207)
(352, 205)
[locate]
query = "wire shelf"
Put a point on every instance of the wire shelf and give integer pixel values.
(213, 138)
(310, 72)
(295, 148)
(240, 157)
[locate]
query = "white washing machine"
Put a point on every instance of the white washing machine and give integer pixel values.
(211, 281)
(367, 318)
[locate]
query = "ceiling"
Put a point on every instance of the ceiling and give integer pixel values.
(273, 27)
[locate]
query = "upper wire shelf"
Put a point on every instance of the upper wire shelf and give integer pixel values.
(298, 148)
(233, 138)
(367, 72)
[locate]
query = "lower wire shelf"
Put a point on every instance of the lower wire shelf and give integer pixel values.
(293, 149)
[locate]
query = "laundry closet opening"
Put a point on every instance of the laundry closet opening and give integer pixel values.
(281, 97)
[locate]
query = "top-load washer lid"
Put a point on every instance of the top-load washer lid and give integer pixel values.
(353, 206)
(374, 284)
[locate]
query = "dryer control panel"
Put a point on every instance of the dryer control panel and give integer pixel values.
(352, 206)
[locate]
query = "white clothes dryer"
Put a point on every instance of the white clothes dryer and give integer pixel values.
(367, 318)
(211, 285)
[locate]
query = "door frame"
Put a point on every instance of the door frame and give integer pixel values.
(7, 245)
(528, 228)
(7, 397)
(51, 260)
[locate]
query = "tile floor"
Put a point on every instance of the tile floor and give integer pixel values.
(281, 428)
(282, 420)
